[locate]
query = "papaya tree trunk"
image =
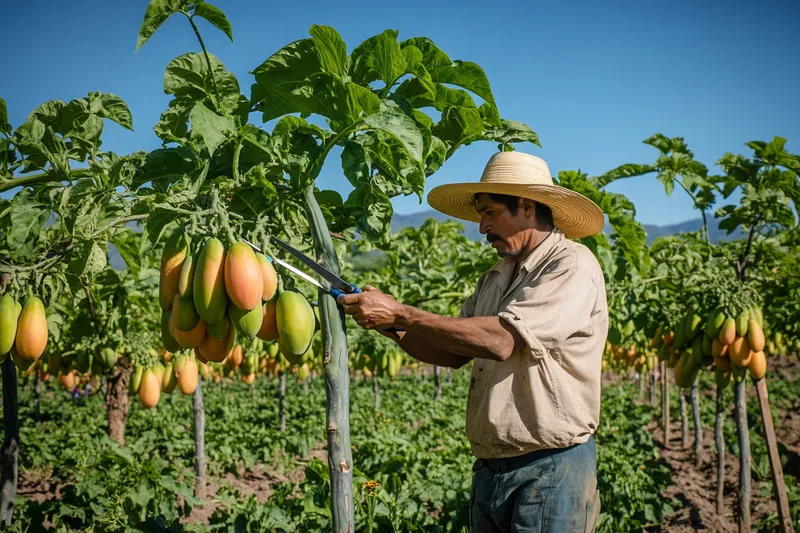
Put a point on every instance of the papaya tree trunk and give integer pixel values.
(117, 401)
(36, 403)
(281, 401)
(376, 391)
(337, 378)
(10, 453)
(665, 402)
(720, 442)
(199, 442)
(652, 380)
(778, 483)
(437, 394)
(684, 422)
(642, 385)
(305, 386)
(743, 431)
(698, 427)
(449, 375)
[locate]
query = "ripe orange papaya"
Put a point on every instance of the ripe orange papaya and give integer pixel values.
(757, 365)
(187, 339)
(187, 380)
(235, 357)
(722, 363)
(244, 281)
(717, 348)
(270, 277)
(249, 378)
(295, 323)
(728, 331)
(186, 277)
(175, 251)
(755, 336)
(31, 338)
(269, 321)
(149, 389)
(8, 323)
(739, 352)
(215, 350)
(208, 285)
(248, 323)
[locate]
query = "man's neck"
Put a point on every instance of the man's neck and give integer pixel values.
(534, 240)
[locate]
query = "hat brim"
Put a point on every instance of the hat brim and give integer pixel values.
(574, 214)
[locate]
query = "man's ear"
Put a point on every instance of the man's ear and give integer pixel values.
(529, 207)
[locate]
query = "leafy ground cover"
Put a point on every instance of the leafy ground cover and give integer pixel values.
(412, 460)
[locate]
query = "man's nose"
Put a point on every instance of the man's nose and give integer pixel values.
(484, 227)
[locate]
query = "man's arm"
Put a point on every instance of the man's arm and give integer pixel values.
(466, 338)
(422, 350)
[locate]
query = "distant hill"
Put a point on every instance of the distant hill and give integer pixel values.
(653, 231)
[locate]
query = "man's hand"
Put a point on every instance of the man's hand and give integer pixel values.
(371, 309)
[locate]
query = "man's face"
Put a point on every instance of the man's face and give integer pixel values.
(504, 230)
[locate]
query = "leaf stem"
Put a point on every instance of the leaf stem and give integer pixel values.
(205, 53)
(43, 177)
(121, 220)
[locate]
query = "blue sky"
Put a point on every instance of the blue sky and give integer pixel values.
(593, 79)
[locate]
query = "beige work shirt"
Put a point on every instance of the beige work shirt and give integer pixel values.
(546, 394)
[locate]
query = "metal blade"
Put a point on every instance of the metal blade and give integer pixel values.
(326, 274)
(289, 267)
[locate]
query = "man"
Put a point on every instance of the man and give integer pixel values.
(535, 329)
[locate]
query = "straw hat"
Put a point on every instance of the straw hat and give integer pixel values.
(527, 176)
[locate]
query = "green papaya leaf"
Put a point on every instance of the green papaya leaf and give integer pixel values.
(212, 128)
(158, 11)
(28, 217)
(330, 48)
(125, 240)
(188, 76)
(5, 127)
(87, 258)
(391, 120)
(114, 108)
(215, 16)
(378, 58)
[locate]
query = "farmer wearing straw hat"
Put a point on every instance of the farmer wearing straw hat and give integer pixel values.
(535, 328)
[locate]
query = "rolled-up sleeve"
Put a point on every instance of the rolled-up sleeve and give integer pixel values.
(551, 308)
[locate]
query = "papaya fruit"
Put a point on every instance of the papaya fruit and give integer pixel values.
(235, 357)
(167, 339)
(136, 379)
(31, 338)
(739, 352)
(215, 350)
(758, 314)
(296, 323)
(8, 323)
(244, 281)
(269, 321)
(668, 338)
(187, 339)
(723, 363)
(149, 389)
(707, 341)
(738, 373)
(186, 317)
(21, 363)
(159, 370)
(714, 323)
(219, 329)
(728, 331)
(722, 378)
(693, 326)
(680, 329)
(303, 372)
(269, 277)
(168, 377)
(67, 380)
(742, 322)
(175, 251)
(53, 362)
(755, 336)
(186, 277)
(208, 285)
(249, 378)
(757, 365)
(717, 348)
(187, 380)
(248, 323)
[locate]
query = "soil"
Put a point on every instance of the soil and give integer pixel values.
(693, 494)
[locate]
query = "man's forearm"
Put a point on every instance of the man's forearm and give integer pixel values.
(477, 337)
(421, 349)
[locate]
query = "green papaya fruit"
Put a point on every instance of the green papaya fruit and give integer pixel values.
(219, 329)
(170, 344)
(714, 323)
(8, 323)
(208, 285)
(295, 322)
(246, 322)
(741, 323)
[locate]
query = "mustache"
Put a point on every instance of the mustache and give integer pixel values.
(492, 237)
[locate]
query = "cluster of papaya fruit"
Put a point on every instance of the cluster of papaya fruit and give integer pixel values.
(23, 330)
(149, 381)
(209, 297)
(624, 357)
(732, 343)
(386, 363)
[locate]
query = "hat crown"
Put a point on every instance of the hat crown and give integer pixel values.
(516, 168)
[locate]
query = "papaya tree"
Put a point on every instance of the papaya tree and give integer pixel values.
(239, 179)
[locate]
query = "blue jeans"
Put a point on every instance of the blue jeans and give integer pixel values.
(544, 491)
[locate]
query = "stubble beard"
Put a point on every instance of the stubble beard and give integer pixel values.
(512, 254)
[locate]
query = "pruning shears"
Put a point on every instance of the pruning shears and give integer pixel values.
(338, 286)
